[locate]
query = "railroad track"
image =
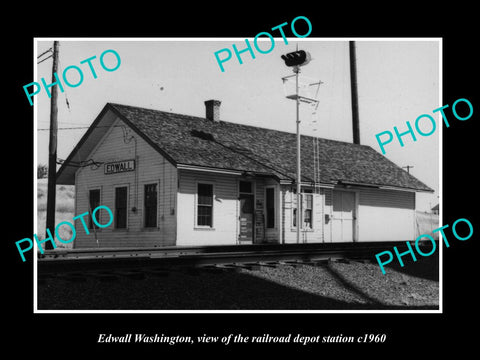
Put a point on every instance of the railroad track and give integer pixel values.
(142, 259)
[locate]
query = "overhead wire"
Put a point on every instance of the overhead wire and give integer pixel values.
(50, 50)
(69, 128)
(46, 51)
(84, 163)
(48, 57)
(77, 127)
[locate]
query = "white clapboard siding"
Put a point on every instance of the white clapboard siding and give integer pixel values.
(385, 215)
(225, 209)
(150, 167)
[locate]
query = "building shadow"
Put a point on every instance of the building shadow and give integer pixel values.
(353, 288)
(375, 303)
(425, 267)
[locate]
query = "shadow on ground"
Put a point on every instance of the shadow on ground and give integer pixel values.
(424, 267)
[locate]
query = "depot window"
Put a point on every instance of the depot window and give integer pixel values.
(205, 205)
(150, 201)
(121, 196)
(270, 207)
(94, 202)
(307, 212)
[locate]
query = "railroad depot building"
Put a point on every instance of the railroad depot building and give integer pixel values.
(172, 179)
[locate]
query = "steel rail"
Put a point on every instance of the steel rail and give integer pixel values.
(122, 258)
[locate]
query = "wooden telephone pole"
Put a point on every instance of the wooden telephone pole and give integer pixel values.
(52, 153)
(354, 91)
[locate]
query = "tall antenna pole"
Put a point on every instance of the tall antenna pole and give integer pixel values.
(296, 70)
(52, 152)
(297, 59)
(353, 86)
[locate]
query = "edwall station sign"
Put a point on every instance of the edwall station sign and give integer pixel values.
(119, 167)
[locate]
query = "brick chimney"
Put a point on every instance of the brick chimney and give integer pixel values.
(212, 110)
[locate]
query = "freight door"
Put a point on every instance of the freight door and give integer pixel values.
(246, 218)
(344, 216)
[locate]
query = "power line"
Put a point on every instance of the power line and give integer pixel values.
(90, 162)
(64, 122)
(49, 50)
(69, 128)
(48, 57)
(79, 127)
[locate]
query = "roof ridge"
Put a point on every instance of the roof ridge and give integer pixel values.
(239, 124)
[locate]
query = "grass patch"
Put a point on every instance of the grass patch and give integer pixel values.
(64, 210)
(426, 223)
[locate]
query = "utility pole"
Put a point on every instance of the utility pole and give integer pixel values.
(354, 90)
(52, 152)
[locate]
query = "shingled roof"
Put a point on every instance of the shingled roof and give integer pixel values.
(196, 141)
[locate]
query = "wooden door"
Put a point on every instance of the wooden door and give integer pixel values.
(246, 218)
(344, 216)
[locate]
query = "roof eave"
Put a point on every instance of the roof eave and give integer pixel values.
(385, 187)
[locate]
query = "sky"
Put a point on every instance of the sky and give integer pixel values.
(398, 80)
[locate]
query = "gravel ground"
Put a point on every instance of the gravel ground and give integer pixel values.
(335, 285)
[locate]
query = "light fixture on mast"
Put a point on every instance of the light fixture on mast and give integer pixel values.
(305, 91)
